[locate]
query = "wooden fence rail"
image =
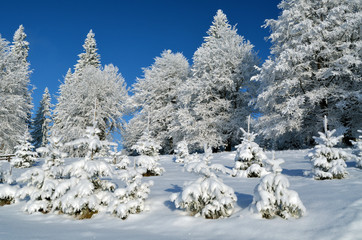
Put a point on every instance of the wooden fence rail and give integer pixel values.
(6, 157)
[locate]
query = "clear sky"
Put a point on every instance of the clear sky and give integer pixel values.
(129, 33)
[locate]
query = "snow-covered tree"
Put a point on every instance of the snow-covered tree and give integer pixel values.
(314, 70)
(156, 98)
(89, 57)
(15, 99)
(358, 150)
(328, 162)
(54, 157)
(24, 154)
(82, 188)
(97, 94)
(182, 151)
(41, 122)
(273, 198)
(249, 156)
(148, 149)
(223, 66)
(131, 199)
(208, 196)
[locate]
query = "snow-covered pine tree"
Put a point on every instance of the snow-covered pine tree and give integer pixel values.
(156, 99)
(101, 89)
(273, 198)
(182, 151)
(147, 147)
(249, 156)
(41, 122)
(358, 150)
(328, 162)
(208, 196)
(314, 70)
(20, 50)
(15, 99)
(223, 66)
(89, 57)
(24, 154)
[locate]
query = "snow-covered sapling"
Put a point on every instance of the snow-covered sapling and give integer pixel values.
(148, 149)
(358, 150)
(182, 152)
(249, 156)
(54, 157)
(273, 198)
(208, 196)
(130, 200)
(24, 154)
(328, 162)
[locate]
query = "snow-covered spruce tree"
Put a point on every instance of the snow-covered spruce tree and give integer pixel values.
(24, 154)
(130, 200)
(147, 147)
(182, 151)
(20, 51)
(54, 157)
(273, 198)
(223, 66)
(15, 99)
(156, 99)
(208, 196)
(249, 156)
(104, 88)
(89, 57)
(41, 122)
(328, 162)
(314, 70)
(358, 150)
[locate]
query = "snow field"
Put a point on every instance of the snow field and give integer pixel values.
(334, 209)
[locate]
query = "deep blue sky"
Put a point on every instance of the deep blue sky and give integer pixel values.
(129, 34)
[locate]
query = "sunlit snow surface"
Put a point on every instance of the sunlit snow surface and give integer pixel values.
(334, 210)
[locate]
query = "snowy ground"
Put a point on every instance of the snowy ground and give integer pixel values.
(334, 211)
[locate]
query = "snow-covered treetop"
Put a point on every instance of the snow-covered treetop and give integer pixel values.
(89, 57)
(20, 45)
(219, 23)
(248, 136)
(327, 137)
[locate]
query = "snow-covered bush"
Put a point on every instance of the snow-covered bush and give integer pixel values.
(24, 154)
(328, 162)
(130, 200)
(182, 152)
(208, 196)
(249, 156)
(358, 150)
(273, 165)
(272, 196)
(148, 149)
(7, 194)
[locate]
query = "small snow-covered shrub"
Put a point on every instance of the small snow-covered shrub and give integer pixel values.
(148, 149)
(182, 152)
(24, 154)
(130, 200)
(7, 194)
(208, 196)
(328, 162)
(249, 156)
(272, 198)
(358, 150)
